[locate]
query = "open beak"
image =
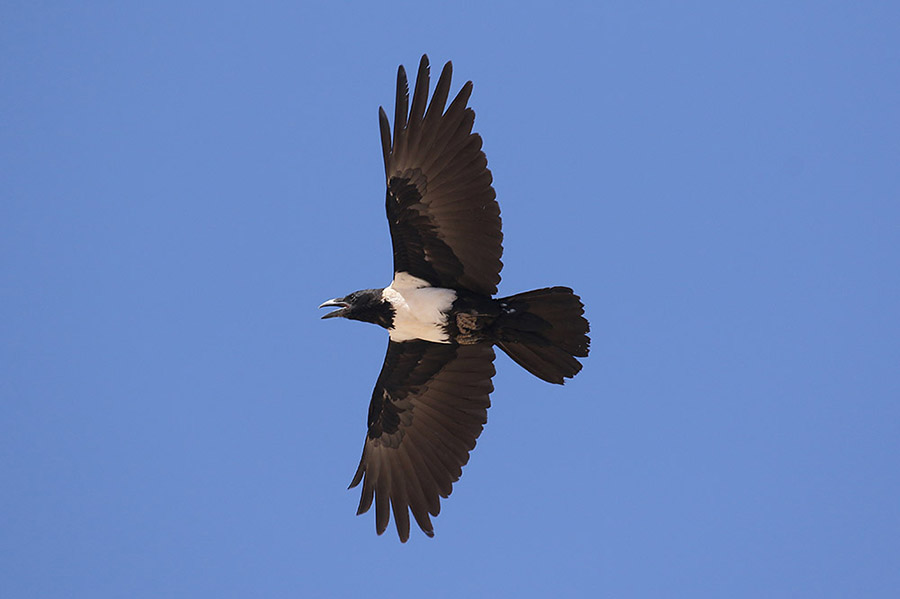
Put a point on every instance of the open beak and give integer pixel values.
(335, 303)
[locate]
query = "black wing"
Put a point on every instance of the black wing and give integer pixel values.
(444, 218)
(428, 408)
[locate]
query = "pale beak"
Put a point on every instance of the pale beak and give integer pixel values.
(335, 303)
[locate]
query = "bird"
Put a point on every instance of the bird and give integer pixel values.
(431, 398)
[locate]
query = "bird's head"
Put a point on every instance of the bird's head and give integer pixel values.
(367, 305)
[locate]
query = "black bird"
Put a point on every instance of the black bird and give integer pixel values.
(431, 399)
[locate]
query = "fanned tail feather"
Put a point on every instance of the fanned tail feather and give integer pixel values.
(544, 331)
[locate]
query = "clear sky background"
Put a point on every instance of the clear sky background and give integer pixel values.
(183, 183)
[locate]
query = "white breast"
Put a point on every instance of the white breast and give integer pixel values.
(420, 309)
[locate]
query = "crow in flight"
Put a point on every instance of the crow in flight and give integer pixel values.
(431, 398)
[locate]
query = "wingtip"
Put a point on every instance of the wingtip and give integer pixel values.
(424, 62)
(402, 84)
(404, 537)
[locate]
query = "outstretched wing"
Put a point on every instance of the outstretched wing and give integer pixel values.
(444, 218)
(428, 408)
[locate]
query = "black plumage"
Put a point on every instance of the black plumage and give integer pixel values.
(441, 208)
(430, 402)
(445, 389)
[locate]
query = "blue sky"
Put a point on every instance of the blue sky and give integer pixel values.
(183, 183)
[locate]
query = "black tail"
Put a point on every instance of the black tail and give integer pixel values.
(543, 331)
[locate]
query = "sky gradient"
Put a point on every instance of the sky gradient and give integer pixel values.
(183, 183)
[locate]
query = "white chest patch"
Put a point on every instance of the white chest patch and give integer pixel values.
(420, 310)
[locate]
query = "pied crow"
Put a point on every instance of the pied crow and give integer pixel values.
(431, 398)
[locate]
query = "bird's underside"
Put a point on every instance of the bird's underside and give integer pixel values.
(430, 402)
